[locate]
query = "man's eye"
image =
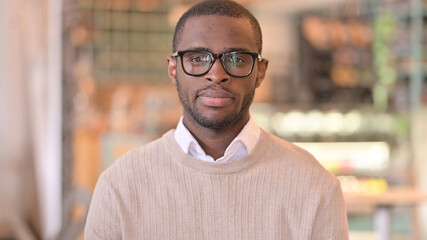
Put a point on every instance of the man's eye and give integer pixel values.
(199, 59)
(235, 59)
(238, 60)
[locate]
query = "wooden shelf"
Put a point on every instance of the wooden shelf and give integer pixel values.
(357, 202)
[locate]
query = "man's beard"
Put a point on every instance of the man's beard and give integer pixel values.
(215, 123)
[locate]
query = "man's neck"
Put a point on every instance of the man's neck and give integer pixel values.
(214, 142)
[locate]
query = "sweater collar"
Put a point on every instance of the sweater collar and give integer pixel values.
(176, 154)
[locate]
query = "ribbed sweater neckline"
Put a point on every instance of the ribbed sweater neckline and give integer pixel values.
(176, 154)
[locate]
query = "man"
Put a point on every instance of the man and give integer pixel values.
(218, 175)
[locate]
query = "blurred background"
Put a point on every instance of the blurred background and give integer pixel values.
(83, 81)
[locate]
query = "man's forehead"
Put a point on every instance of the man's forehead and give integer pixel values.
(212, 21)
(224, 50)
(229, 32)
(211, 17)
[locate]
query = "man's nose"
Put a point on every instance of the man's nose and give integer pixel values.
(217, 73)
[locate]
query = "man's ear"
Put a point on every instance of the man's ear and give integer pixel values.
(262, 69)
(172, 69)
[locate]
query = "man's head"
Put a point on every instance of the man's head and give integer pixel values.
(218, 8)
(216, 65)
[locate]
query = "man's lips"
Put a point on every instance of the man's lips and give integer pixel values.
(215, 98)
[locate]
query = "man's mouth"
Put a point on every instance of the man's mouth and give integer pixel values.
(215, 98)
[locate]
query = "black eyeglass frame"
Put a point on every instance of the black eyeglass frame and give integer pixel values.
(215, 56)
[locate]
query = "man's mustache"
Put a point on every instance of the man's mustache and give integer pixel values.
(224, 88)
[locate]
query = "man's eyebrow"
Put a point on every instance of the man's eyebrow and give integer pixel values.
(226, 50)
(198, 49)
(237, 50)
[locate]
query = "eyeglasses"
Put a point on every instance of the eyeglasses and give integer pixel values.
(236, 64)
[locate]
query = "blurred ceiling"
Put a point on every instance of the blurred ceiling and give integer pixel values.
(290, 6)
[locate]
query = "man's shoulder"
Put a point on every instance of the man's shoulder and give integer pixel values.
(292, 155)
(137, 156)
(285, 148)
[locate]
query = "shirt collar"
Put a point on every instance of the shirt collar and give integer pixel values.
(184, 138)
(241, 146)
(248, 136)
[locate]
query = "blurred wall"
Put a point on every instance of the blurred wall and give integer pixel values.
(16, 178)
(30, 139)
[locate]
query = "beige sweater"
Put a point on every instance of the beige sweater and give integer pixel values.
(156, 191)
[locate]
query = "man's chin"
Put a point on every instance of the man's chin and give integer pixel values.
(214, 123)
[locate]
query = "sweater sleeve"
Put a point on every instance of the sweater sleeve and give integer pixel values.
(331, 219)
(103, 220)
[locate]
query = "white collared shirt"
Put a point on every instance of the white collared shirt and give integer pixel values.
(240, 147)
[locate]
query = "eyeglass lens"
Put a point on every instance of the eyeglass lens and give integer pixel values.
(198, 63)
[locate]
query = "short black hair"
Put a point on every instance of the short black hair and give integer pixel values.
(219, 8)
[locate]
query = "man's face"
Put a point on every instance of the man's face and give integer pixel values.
(216, 100)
